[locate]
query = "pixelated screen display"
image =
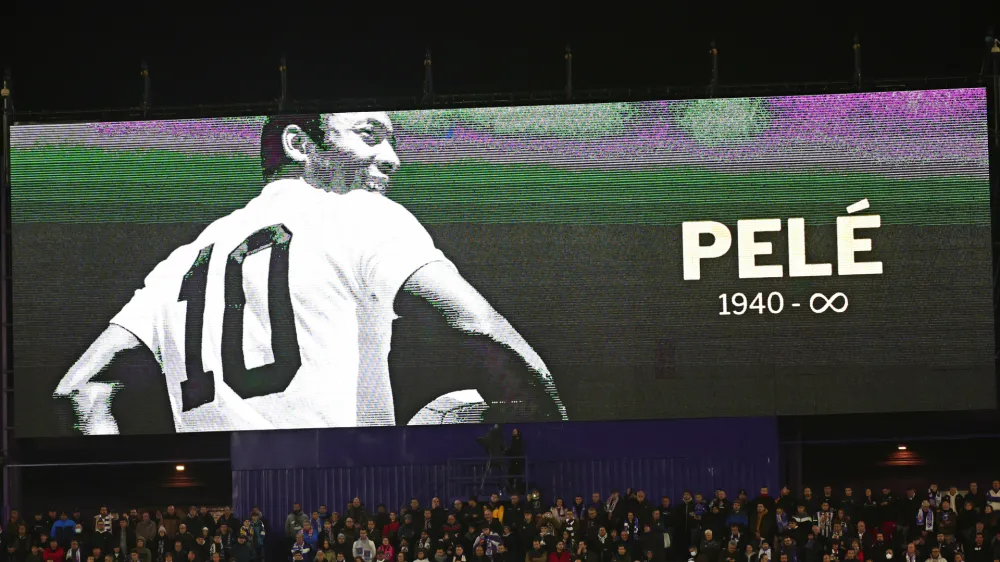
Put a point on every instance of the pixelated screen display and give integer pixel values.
(726, 257)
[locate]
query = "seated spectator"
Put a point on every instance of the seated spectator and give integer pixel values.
(74, 554)
(560, 554)
(300, 549)
(54, 553)
(242, 551)
(621, 555)
(143, 553)
(387, 552)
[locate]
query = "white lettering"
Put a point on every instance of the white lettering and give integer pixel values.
(848, 245)
(797, 266)
(749, 248)
(694, 252)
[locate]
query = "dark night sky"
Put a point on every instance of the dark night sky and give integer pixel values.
(86, 58)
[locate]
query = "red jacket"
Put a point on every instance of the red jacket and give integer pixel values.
(559, 556)
(57, 555)
(391, 530)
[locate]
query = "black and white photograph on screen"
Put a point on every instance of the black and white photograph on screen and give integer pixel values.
(280, 314)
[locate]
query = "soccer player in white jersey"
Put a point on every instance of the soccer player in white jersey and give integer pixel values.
(279, 315)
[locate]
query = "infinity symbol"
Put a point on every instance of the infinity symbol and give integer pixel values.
(828, 303)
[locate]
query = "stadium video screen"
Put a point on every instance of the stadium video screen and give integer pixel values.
(727, 257)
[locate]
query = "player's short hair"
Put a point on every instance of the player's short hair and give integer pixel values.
(272, 152)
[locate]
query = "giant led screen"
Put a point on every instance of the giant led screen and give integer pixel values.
(725, 257)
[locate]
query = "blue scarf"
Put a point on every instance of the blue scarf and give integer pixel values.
(926, 519)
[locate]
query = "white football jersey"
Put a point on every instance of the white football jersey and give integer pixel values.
(279, 315)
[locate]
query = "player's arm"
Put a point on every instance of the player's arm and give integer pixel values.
(92, 400)
(467, 310)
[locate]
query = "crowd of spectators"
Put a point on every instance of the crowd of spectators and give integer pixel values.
(933, 525)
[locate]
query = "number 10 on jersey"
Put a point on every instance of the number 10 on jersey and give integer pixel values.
(199, 388)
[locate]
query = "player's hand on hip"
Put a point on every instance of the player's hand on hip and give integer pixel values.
(92, 406)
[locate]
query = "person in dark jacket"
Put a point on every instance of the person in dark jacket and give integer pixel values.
(160, 545)
(242, 551)
(101, 538)
(124, 536)
(344, 547)
(709, 549)
(178, 552)
(35, 554)
(536, 554)
(192, 520)
(63, 530)
(21, 543)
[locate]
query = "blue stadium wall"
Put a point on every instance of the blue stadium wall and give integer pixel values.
(275, 469)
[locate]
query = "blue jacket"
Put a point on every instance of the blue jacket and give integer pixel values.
(742, 519)
(63, 531)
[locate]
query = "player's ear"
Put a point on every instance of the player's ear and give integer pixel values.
(295, 143)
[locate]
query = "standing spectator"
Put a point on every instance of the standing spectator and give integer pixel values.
(391, 529)
(342, 547)
(63, 530)
(764, 499)
(257, 535)
(364, 548)
(947, 521)
(13, 522)
(21, 543)
(953, 498)
(124, 537)
(925, 517)
(295, 521)
(993, 497)
(763, 523)
(697, 515)
(216, 547)
(192, 521)
(356, 511)
(228, 538)
(909, 505)
(200, 548)
(171, 520)
(227, 518)
(146, 528)
(974, 496)
(160, 545)
(101, 538)
(887, 506)
(849, 503)
(103, 517)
